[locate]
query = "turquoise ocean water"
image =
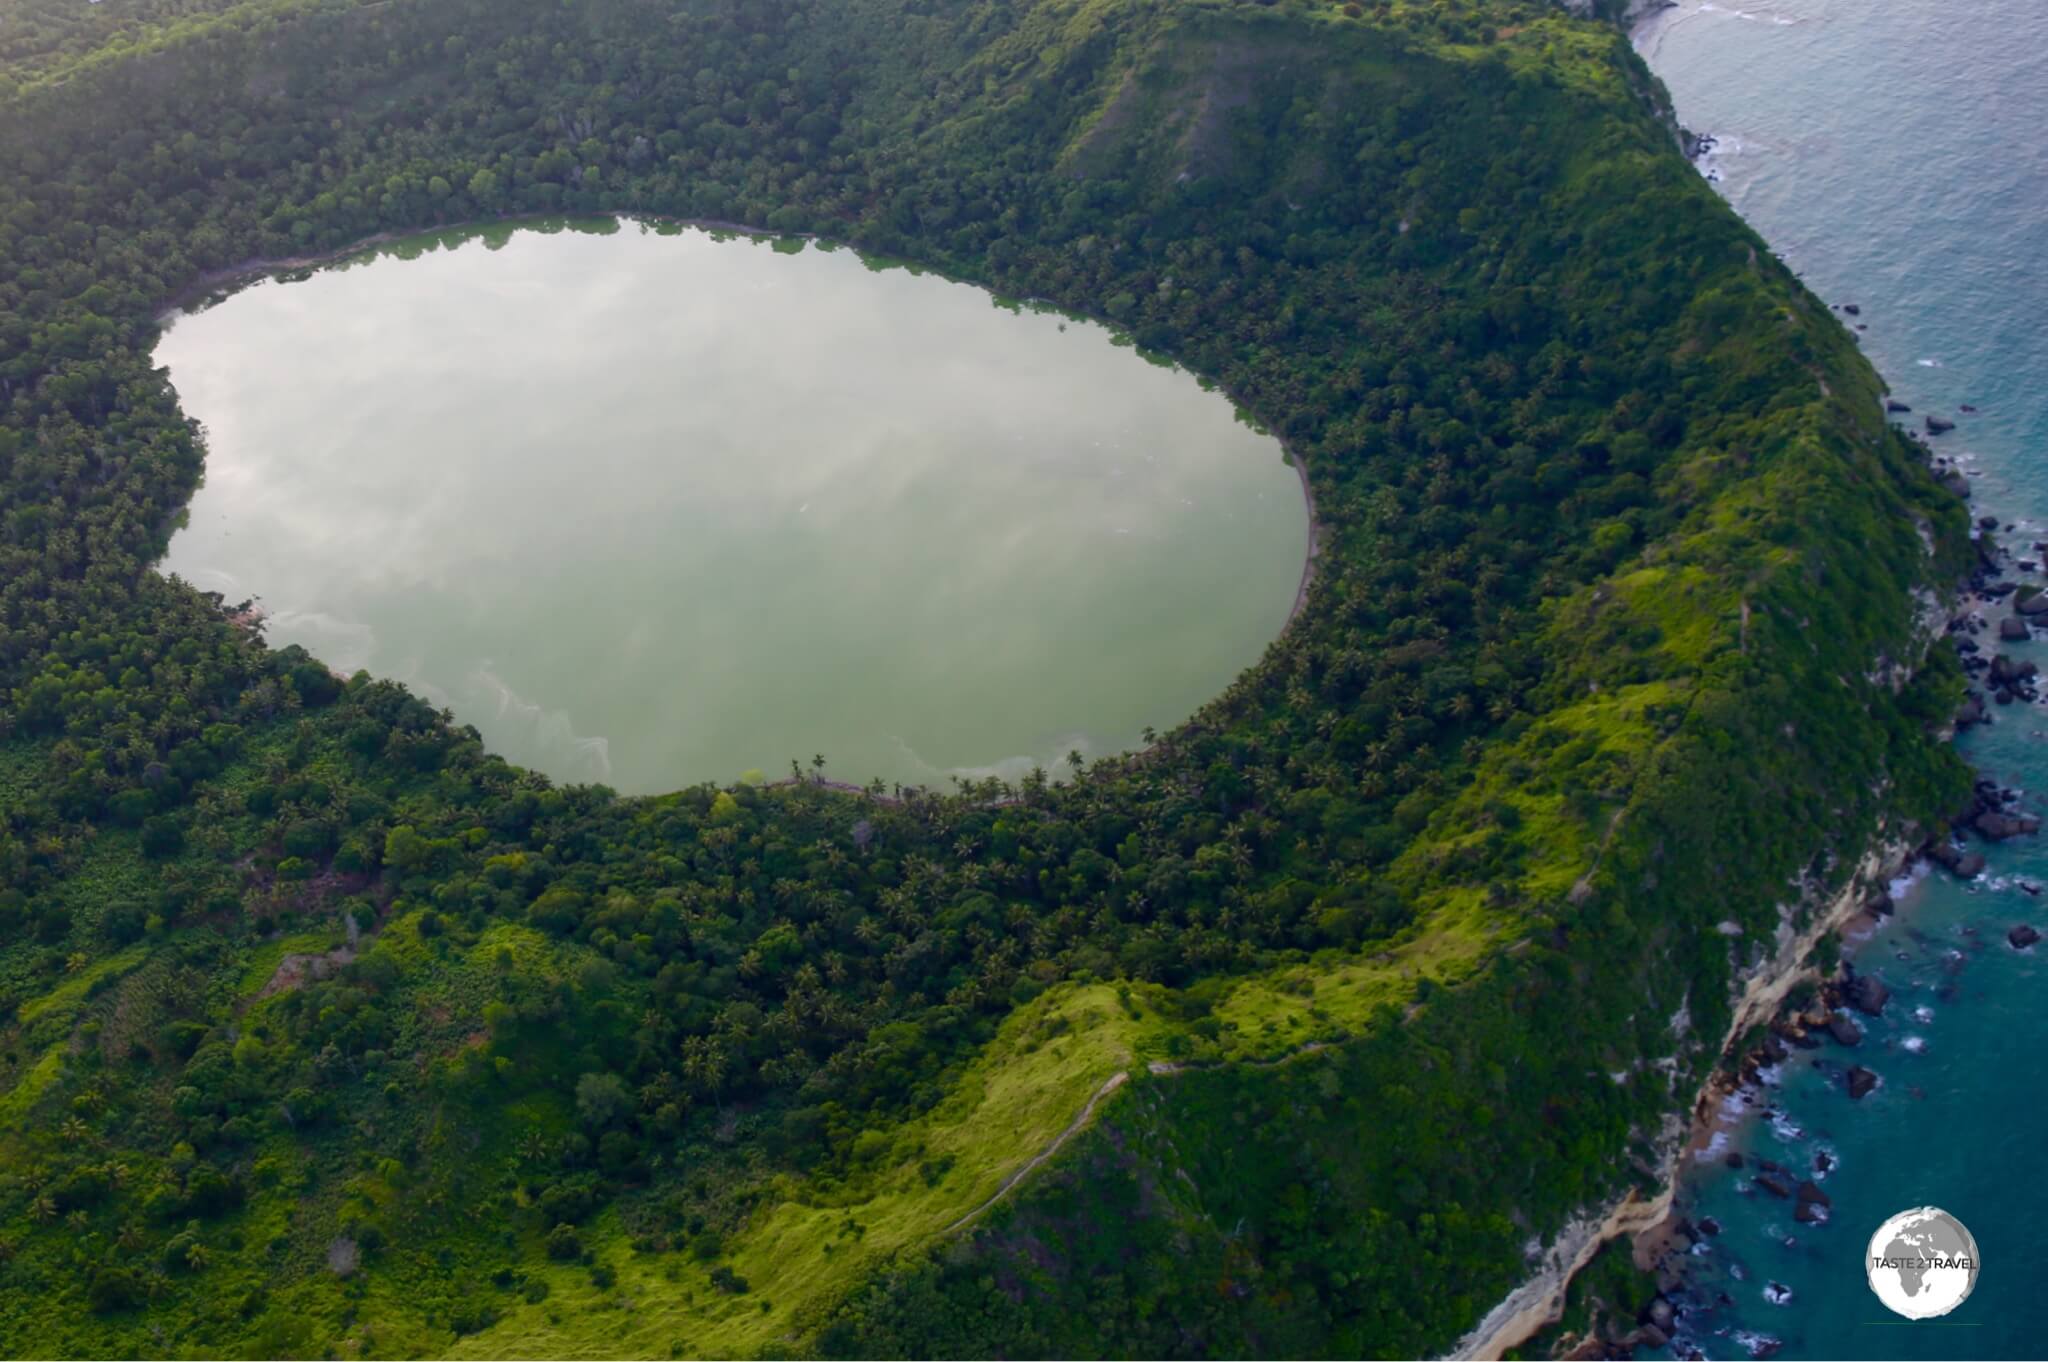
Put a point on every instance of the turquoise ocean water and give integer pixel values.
(1893, 153)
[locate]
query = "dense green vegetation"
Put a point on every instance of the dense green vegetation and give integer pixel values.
(323, 1031)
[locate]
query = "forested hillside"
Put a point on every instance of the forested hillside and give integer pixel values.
(323, 1031)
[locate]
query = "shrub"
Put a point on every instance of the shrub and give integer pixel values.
(564, 1243)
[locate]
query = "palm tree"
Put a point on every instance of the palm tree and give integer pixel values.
(704, 1063)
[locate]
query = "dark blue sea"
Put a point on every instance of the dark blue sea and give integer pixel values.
(1895, 154)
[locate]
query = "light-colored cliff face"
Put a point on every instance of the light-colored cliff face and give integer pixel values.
(1629, 16)
(1539, 1302)
(1760, 992)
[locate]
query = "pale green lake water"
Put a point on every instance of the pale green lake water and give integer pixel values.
(650, 507)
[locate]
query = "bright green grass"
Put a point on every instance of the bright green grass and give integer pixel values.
(815, 1240)
(16, 1103)
(76, 985)
(802, 1252)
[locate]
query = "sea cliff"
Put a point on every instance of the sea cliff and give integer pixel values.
(1762, 989)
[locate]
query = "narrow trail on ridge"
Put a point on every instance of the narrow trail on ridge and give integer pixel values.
(1158, 1068)
(1109, 1085)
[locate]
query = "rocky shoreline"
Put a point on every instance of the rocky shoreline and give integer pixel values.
(1804, 1009)
(1797, 1006)
(1834, 1013)
(1539, 1302)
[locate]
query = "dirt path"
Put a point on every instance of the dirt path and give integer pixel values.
(1158, 1068)
(1109, 1085)
(1167, 1068)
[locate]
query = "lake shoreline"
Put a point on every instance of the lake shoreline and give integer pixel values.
(229, 277)
(215, 285)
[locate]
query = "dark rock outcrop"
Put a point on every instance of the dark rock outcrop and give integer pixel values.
(1867, 994)
(1861, 1082)
(2022, 937)
(1995, 826)
(1937, 426)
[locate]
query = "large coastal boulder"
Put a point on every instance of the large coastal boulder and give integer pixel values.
(2006, 670)
(1995, 825)
(1867, 994)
